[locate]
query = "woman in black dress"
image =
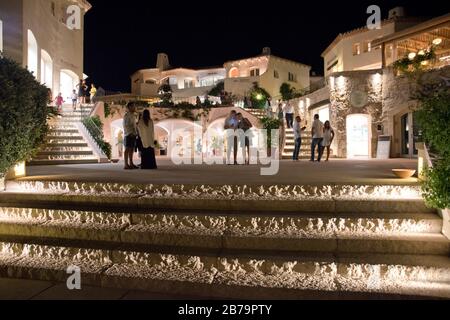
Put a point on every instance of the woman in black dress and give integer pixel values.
(147, 137)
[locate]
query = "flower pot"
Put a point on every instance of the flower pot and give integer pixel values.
(403, 173)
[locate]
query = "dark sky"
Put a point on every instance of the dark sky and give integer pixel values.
(124, 36)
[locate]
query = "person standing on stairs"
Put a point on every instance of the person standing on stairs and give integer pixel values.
(74, 100)
(130, 132)
(231, 124)
(289, 112)
(298, 137)
(317, 138)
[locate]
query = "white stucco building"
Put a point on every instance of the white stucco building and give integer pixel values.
(35, 33)
(354, 50)
(186, 83)
(269, 71)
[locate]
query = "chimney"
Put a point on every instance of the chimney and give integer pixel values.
(266, 51)
(396, 12)
(162, 62)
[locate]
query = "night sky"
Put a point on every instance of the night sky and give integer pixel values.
(124, 36)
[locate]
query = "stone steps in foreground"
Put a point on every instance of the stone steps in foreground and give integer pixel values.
(60, 162)
(374, 233)
(226, 275)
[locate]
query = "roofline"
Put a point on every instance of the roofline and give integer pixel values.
(195, 70)
(421, 27)
(362, 29)
(268, 57)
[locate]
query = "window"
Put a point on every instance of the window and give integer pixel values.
(188, 83)
(1, 36)
(275, 74)
(234, 73)
(356, 49)
(46, 69)
(367, 46)
(254, 73)
(292, 77)
(32, 60)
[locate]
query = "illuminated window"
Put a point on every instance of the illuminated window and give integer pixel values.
(254, 73)
(276, 74)
(292, 77)
(367, 46)
(189, 83)
(32, 60)
(234, 73)
(356, 49)
(46, 69)
(1, 36)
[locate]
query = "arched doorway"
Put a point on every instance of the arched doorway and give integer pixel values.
(358, 136)
(32, 54)
(180, 138)
(67, 83)
(46, 70)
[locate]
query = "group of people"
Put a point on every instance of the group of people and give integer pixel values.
(237, 122)
(322, 138)
(78, 96)
(139, 136)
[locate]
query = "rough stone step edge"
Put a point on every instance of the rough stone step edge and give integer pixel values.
(141, 202)
(106, 277)
(423, 244)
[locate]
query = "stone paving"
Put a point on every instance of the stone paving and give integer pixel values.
(300, 173)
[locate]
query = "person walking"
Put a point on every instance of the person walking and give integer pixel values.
(231, 124)
(245, 125)
(74, 100)
(328, 137)
(317, 137)
(146, 131)
(298, 137)
(289, 113)
(59, 101)
(130, 132)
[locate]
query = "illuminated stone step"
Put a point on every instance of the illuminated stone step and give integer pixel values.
(375, 233)
(225, 274)
(66, 156)
(65, 153)
(65, 145)
(61, 162)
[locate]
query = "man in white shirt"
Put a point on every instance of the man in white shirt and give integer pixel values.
(289, 114)
(317, 137)
(130, 133)
(298, 137)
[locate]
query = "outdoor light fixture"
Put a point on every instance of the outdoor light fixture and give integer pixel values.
(411, 55)
(259, 96)
(19, 169)
(421, 53)
(424, 63)
(437, 41)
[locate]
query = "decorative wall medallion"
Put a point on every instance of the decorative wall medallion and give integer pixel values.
(358, 98)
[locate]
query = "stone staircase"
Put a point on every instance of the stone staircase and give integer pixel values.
(258, 113)
(64, 143)
(280, 242)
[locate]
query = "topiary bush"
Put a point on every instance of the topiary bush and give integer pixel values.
(23, 114)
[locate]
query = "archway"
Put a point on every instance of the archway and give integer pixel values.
(67, 83)
(234, 73)
(358, 136)
(32, 54)
(46, 69)
(179, 137)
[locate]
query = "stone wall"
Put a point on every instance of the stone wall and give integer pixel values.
(355, 92)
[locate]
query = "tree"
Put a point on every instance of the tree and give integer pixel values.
(287, 91)
(24, 113)
(165, 94)
(258, 96)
